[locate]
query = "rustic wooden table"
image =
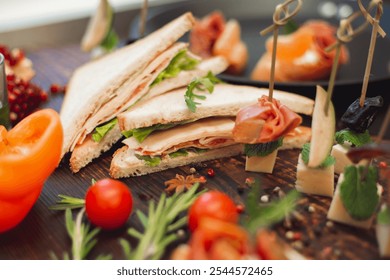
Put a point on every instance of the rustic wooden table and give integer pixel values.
(43, 230)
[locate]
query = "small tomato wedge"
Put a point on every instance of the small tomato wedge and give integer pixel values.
(29, 153)
(108, 204)
(212, 204)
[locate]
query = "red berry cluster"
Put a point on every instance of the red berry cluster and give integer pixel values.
(23, 97)
(12, 57)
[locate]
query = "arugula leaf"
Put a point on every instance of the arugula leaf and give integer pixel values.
(269, 214)
(200, 84)
(356, 139)
(383, 217)
(178, 153)
(359, 196)
(262, 149)
(111, 41)
(149, 161)
(330, 160)
(102, 130)
(181, 62)
(290, 27)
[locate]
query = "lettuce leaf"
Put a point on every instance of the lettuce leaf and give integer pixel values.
(149, 161)
(181, 62)
(102, 130)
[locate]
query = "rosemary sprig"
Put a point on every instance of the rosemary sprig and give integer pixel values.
(68, 202)
(266, 215)
(160, 226)
(83, 239)
(200, 84)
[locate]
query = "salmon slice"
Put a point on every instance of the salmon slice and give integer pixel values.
(301, 55)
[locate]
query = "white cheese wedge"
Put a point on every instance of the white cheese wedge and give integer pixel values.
(339, 152)
(338, 213)
(383, 238)
(317, 181)
(261, 164)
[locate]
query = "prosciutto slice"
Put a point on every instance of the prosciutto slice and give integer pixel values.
(264, 122)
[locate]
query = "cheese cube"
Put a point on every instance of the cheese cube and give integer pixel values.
(261, 164)
(339, 152)
(318, 181)
(383, 238)
(338, 213)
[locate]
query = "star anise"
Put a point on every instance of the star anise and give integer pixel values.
(181, 183)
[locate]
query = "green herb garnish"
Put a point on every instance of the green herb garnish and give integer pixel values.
(266, 215)
(83, 239)
(262, 149)
(359, 195)
(356, 139)
(68, 202)
(330, 160)
(200, 84)
(181, 62)
(102, 130)
(384, 216)
(111, 41)
(149, 161)
(178, 153)
(160, 225)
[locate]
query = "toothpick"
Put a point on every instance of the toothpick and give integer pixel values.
(374, 33)
(144, 15)
(345, 34)
(278, 21)
(384, 126)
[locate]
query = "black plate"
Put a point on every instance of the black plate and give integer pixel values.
(254, 15)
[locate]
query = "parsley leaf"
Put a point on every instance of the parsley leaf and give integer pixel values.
(262, 149)
(182, 61)
(360, 197)
(356, 139)
(268, 214)
(178, 153)
(102, 130)
(149, 161)
(330, 160)
(200, 84)
(290, 27)
(384, 216)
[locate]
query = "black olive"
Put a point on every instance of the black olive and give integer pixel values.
(359, 118)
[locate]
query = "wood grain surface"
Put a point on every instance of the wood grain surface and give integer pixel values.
(43, 231)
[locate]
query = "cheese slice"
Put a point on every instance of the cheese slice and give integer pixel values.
(338, 213)
(205, 133)
(317, 181)
(261, 164)
(383, 238)
(339, 152)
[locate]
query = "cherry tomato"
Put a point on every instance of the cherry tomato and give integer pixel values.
(213, 204)
(108, 204)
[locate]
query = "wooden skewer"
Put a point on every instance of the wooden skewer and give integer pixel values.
(374, 33)
(384, 127)
(278, 21)
(345, 34)
(144, 15)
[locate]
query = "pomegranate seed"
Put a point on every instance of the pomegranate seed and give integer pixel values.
(382, 164)
(240, 208)
(54, 88)
(10, 77)
(210, 172)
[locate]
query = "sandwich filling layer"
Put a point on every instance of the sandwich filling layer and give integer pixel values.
(210, 133)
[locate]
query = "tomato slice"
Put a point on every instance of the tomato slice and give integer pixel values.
(29, 153)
